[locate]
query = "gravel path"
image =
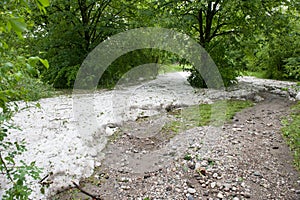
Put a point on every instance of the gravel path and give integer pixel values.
(248, 160)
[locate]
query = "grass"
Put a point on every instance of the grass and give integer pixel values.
(202, 115)
(172, 68)
(291, 133)
(258, 74)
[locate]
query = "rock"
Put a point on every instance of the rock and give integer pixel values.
(256, 173)
(204, 163)
(169, 188)
(191, 165)
(124, 187)
(235, 198)
(190, 197)
(213, 184)
(246, 195)
(191, 190)
(227, 187)
(298, 96)
(258, 98)
(215, 175)
(198, 165)
(220, 195)
(205, 193)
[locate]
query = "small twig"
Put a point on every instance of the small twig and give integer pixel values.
(85, 192)
(41, 181)
(6, 169)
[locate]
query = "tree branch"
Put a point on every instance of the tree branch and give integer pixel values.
(6, 169)
(86, 193)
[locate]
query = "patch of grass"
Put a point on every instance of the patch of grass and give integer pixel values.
(205, 114)
(258, 74)
(171, 68)
(114, 137)
(188, 157)
(291, 133)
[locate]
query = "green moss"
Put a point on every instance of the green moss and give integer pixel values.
(205, 114)
(114, 137)
(291, 133)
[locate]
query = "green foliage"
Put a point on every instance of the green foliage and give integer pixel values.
(291, 132)
(19, 75)
(127, 62)
(292, 68)
(70, 30)
(275, 47)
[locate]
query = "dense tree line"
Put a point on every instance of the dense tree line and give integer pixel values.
(239, 35)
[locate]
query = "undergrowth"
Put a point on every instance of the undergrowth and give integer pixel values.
(291, 133)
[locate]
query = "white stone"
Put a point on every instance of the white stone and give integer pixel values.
(220, 195)
(213, 184)
(191, 190)
(298, 96)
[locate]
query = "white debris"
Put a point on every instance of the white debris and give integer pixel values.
(57, 144)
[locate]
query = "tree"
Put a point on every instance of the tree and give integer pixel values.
(222, 27)
(71, 29)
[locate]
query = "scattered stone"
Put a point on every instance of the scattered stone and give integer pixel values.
(213, 184)
(191, 190)
(190, 197)
(125, 187)
(204, 163)
(215, 175)
(298, 96)
(256, 173)
(205, 193)
(191, 165)
(220, 195)
(169, 188)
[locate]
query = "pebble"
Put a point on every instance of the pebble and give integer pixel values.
(190, 197)
(213, 184)
(220, 195)
(191, 190)
(257, 174)
(124, 187)
(204, 163)
(215, 175)
(227, 187)
(169, 188)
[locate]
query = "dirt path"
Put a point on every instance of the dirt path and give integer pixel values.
(248, 160)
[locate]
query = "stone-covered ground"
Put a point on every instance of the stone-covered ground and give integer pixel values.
(245, 159)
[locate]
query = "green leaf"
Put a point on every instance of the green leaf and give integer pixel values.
(44, 62)
(31, 70)
(17, 24)
(33, 60)
(8, 25)
(44, 3)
